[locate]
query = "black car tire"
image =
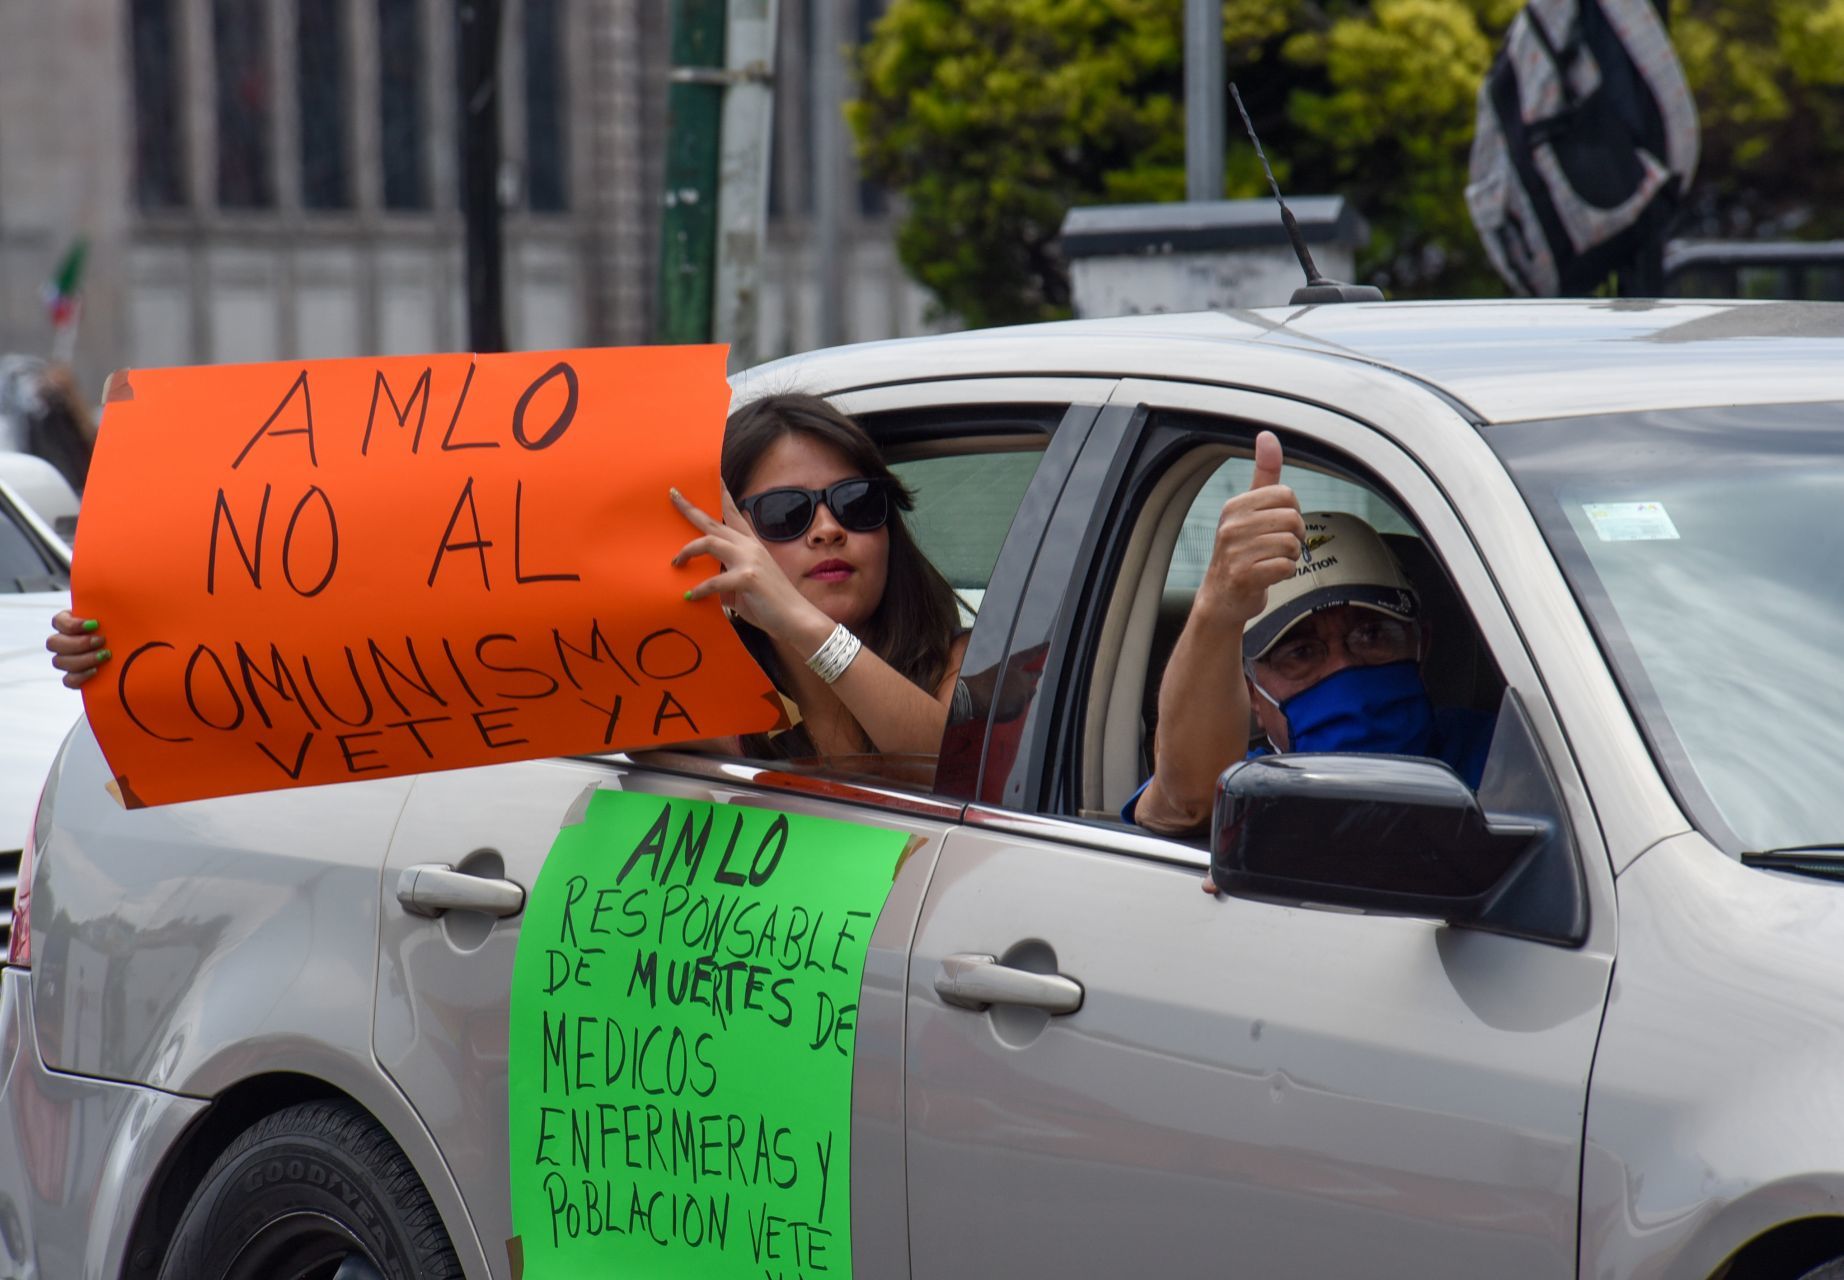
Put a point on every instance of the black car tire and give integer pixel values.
(317, 1191)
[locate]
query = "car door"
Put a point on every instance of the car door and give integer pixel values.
(472, 844)
(442, 1029)
(1156, 1079)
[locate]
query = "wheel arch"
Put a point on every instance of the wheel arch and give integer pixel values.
(1787, 1251)
(184, 1165)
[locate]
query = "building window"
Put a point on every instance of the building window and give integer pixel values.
(320, 75)
(546, 186)
(241, 56)
(400, 103)
(159, 166)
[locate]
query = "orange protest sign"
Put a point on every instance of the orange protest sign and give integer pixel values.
(317, 571)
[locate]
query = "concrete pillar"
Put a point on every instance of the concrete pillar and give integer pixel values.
(623, 111)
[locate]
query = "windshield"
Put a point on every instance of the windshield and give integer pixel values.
(25, 563)
(1708, 548)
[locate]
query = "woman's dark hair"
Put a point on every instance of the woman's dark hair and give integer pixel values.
(914, 624)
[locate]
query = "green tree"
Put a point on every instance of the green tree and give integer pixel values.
(1383, 109)
(1767, 77)
(993, 117)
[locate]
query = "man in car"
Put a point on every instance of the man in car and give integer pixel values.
(1331, 640)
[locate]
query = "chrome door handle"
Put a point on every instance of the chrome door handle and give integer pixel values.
(430, 888)
(976, 981)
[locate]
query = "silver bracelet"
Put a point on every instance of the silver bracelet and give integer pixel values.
(961, 706)
(830, 660)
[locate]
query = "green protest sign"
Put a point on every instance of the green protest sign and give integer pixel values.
(684, 1004)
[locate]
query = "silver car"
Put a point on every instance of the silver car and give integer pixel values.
(1586, 1022)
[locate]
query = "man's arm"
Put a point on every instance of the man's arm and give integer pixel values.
(1203, 699)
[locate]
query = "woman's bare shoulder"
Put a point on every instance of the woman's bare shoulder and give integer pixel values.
(950, 675)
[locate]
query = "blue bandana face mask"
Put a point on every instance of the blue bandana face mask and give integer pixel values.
(1378, 710)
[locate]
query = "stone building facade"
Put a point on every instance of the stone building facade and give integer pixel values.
(270, 179)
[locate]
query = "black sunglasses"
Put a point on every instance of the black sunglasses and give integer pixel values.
(861, 504)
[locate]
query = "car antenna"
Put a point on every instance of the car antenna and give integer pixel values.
(1317, 289)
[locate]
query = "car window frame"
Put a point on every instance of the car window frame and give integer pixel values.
(1125, 458)
(1191, 452)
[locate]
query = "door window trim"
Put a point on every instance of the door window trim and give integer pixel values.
(956, 393)
(1386, 461)
(731, 771)
(1107, 838)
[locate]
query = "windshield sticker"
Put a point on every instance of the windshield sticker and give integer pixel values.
(683, 1015)
(1630, 521)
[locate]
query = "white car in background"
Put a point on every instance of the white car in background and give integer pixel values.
(36, 710)
(42, 489)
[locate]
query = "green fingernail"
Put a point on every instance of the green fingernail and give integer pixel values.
(103, 656)
(90, 624)
(688, 595)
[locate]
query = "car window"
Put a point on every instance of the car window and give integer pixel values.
(964, 506)
(1162, 561)
(25, 565)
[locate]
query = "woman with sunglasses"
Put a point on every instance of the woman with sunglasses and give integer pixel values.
(831, 593)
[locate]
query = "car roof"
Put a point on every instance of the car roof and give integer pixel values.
(1502, 360)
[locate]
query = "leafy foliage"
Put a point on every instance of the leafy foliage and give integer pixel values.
(993, 117)
(1767, 76)
(1392, 130)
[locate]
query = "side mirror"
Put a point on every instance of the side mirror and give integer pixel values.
(1399, 835)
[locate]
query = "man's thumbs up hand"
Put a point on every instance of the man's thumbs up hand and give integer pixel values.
(1267, 461)
(1258, 542)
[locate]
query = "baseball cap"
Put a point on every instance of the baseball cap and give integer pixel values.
(1346, 562)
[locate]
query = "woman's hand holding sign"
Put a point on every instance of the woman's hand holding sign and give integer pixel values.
(77, 647)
